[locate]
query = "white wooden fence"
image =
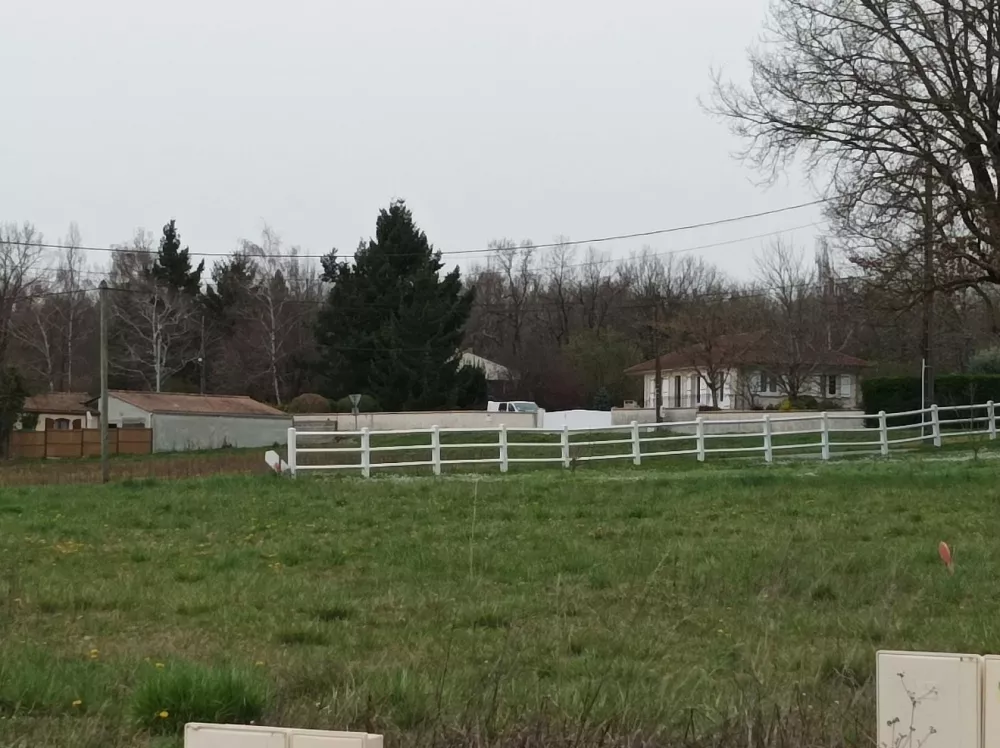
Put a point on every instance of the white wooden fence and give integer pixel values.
(354, 451)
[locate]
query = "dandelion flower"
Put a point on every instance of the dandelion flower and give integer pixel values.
(78, 702)
(94, 654)
(160, 666)
(259, 663)
(164, 714)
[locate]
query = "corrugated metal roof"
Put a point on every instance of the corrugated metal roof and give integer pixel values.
(209, 405)
(58, 402)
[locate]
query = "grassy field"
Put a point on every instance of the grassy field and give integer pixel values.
(732, 606)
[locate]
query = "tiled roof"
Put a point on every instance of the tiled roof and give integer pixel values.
(71, 403)
(209, 405)
(741, 349)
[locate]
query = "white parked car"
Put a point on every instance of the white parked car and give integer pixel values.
(511, 406)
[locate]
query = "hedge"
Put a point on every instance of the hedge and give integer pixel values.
(900, 394)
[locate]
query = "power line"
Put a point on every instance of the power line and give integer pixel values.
(486, 250)
(589, 263)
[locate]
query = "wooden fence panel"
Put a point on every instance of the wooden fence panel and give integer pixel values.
(135, 441)
(76, 443)
(28, 444)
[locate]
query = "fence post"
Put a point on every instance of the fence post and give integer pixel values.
(699, 429)
(768, 446)
(366, 454)
(292, 447)
(565, 445)
(503, 448)
(436, 449)
(824, 436)
(636, 453)
(991, 416)
(936, 425)
(883, 433)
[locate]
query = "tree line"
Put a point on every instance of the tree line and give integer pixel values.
(389, 320)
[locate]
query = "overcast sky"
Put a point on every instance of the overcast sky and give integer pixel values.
(526, 119)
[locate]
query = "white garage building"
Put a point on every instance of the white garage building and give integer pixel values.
(183, 422)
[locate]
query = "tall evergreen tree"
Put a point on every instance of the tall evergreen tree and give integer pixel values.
(392, 324)
(172, 266)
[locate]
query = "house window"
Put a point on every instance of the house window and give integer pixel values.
(830, 385)
(768, 384)
(697, 389)
(62, 424)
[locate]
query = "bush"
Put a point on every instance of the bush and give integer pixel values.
(602, 399)
(180, 693)
(901, 394)
(805, 402)
(309, 402)
(368, 404)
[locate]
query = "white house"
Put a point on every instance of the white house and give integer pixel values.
(182, 421)
(60, 411)
(748, 374)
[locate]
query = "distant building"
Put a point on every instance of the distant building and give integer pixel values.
(748, 372)
(500, 380)
(182, 422)
(61, 411)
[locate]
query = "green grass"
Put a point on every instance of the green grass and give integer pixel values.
(584, 447)
(718, 605)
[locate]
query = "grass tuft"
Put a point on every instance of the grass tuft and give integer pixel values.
(183, 692)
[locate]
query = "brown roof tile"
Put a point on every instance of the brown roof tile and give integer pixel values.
(740, 349)
(58, 402)
(214, 405)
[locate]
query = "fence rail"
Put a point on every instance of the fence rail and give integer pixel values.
(434, 448)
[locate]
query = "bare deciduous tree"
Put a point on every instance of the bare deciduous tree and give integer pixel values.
(801, 327)
(19, 270)
(887, 100)
(154, 327)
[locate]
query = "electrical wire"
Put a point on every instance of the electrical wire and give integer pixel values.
(486, 250)
(105, 274)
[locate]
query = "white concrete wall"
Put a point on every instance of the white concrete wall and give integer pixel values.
(446, 419)
(578, 419)
(625, 416)
(119, 410)
(181, 433)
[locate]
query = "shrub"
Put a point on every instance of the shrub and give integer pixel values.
(805, 402)
(309, 402)
(180, 693)
(900, 394)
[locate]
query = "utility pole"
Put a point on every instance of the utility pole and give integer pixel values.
(658, 375)
(104, 381)
(201, 355)
(926, 342)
